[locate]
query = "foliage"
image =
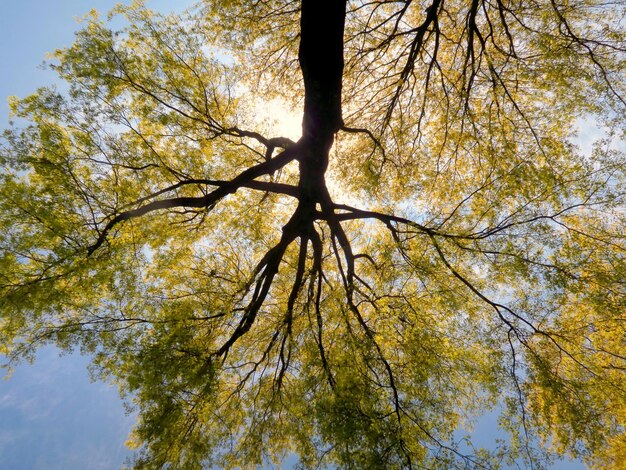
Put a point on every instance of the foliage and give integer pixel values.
(433, 247)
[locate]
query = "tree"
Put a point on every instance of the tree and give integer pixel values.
(433, 246)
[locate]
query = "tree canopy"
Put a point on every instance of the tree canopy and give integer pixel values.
(434, 246)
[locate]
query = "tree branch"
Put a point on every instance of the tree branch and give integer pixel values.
(242, 180)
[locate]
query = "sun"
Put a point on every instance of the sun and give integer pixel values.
(282, 119)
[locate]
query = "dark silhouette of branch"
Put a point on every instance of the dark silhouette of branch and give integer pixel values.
(242, 180)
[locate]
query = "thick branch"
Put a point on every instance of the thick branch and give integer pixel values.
(244, 179)
(268, 186)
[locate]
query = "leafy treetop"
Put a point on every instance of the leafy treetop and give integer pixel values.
(433, 246)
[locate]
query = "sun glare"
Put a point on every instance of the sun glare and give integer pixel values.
(283, 120)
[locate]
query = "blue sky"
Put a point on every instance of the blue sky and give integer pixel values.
(31, 28)
(51, 415)
(53, 418)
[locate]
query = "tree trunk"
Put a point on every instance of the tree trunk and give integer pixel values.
(321, 61)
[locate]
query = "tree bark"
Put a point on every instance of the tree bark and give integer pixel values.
(321, 62)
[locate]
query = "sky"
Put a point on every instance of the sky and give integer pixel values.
(51, 415)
